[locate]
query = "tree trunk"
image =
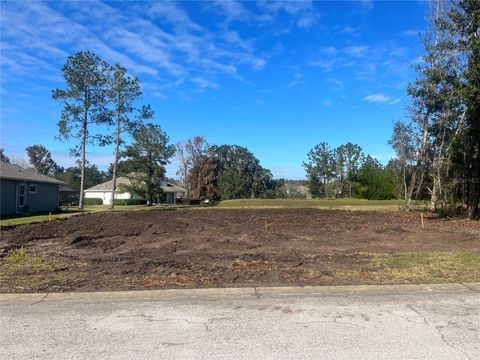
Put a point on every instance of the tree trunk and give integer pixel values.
(436, 188)
(420, 183)
(473, 195)
(409, 193)
(115, 163)
(149, 180)
(82, 164)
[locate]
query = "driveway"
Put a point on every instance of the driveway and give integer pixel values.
(345, 322)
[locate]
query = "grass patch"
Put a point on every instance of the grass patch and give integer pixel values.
(415, 268)
(19, 257)
(23, 272)
(347, 204)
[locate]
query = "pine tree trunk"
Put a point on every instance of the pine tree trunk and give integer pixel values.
(82, 164)
(115, 163)
(82, 167)
(149, 180)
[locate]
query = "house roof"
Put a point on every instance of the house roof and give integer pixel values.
(122, 180)
(108, 184)
(15, 172)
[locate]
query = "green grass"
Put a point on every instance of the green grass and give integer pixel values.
(351, 204)
(18, 257)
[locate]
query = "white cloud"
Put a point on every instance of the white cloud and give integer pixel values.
(37, 37)
(303, 12)
(327, 103)
(381, 99)
(326, 65)
(204, 83)
(174, 14)
(367, 5)
(357, 51)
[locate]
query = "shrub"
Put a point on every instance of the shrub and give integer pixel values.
(130, 201)
(93, 201)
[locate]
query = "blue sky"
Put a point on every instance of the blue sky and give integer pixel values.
(277, 78)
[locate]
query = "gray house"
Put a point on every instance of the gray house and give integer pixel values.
(24, 191)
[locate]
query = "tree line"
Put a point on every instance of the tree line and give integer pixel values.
(438, 144)
(347, 172)
(222, 171)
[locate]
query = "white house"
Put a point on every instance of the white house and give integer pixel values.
(104, 191)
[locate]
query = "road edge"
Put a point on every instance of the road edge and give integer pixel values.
(245, 292)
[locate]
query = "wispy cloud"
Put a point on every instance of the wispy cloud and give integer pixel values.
(204, 83)
(303, 12)
(381, 99)
(367, 5)
(173, 13)
(357, 51)
(237, 11)
(38, 36)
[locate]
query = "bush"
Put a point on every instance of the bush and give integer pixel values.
(93, 201)
(130, 201)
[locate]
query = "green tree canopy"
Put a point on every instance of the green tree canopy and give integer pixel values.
(41, 160)
(84, 102)
(148, 155)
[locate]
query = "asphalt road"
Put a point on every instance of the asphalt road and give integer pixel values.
(399, 322)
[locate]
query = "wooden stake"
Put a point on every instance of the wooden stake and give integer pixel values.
(421, 218)
(50, 216)
(266, 225)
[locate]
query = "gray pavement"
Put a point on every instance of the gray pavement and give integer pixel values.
(376, 322)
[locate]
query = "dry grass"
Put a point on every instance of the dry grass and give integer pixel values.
(413, 268)
(334, 204)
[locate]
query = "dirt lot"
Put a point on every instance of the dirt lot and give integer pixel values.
(223, 247)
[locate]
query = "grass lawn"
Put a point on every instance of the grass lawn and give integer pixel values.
(347, 204)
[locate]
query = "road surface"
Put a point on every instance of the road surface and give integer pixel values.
(376, 322)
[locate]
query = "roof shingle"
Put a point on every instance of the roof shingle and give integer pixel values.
(15, 172)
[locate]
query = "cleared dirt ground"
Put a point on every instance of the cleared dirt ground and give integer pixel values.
(220, 247)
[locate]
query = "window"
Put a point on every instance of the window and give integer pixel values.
(33, 188)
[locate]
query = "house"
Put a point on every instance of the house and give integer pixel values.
(25, 191)
(173, 193)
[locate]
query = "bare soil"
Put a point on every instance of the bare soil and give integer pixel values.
(219, 247)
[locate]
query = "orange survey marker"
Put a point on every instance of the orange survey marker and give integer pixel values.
(421, 218)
